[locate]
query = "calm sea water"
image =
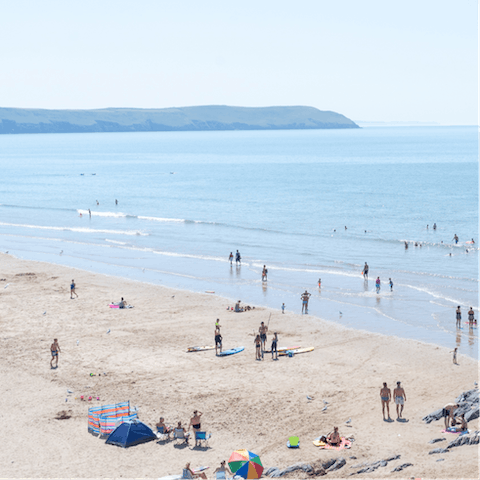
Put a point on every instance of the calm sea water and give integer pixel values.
(282, 198)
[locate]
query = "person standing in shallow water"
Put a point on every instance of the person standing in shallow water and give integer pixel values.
(458, 314)
(365, 271)
(377, 284)
(231, 258)
(305, 296)
(238, 258)
(385, 395)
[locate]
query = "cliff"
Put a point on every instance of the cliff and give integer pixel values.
(215, 117)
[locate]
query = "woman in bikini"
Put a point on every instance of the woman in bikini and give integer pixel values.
(195, 423)
(333, 438)
(258, 347)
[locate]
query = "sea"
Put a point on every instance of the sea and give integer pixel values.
(168, 208)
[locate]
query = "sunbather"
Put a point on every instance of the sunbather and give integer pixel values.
(223, 468)
(122, 303)
(162, 428)
(194, 475)
(187, 434)
(333, 438)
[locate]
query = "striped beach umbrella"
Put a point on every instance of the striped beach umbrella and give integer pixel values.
(245, 464)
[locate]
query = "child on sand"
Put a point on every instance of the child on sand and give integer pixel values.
(283, 308)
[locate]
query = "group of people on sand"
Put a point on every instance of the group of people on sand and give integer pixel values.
(261, 341)
(240, 308)
(195, 424)
(399, 396)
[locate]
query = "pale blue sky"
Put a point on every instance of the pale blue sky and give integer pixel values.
(374, 60)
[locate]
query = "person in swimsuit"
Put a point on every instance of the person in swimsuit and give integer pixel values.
(258, 347)
(192, 473)
(377, 284)
(283, 308)
(333, 438)
(238, 258)
(195, 423)
(471, 316)
(391, 284)
(89, 213)
(263, 329)
(400, 398)
(264, 274)
(55, 350)
(319, 283)
(406, 245)
(434, 226)
(274, 346)
(459, 317)
(122, 303)
(231, 258)
(223, 468)
(455, 238)
(365, 271)
(162, 428)
(455, 355)
(447, 413)
(463, 423)
(386, 396)
(72, 289)
(305, 296)
(218, 338)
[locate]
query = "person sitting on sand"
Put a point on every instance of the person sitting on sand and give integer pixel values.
(122, 303)
(223, 468)
(460, 424)
(333, 438)
(162, 428)
(237, 307)
(258, 347)
(188, 471)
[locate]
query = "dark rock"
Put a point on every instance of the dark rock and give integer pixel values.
(339, 463)
(352, 458)
(395, 457)
(383, 463)
(401, 467)
(436, 415)
(438, 450)
(472, 414)
(327, 464)
(435, 440)
(440, 460)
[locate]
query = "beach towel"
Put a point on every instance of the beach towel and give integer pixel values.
(343, 444)
(449, 430)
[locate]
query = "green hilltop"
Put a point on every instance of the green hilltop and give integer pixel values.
(212, 117)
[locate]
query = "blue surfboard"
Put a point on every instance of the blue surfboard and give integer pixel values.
(231, 351)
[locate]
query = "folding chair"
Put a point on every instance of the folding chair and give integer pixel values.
(179, 436)
(202, 437)
(186, 474)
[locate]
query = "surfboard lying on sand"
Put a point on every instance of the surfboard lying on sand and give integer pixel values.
(283, 349)
(298, 350)
(200, 349)
(232, 351)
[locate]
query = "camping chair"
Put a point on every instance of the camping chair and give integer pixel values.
(220, 476)
(180, 436)
(162, 435)
(293, 442)
(202, 437)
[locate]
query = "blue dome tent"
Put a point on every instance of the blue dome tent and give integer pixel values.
(131, 433)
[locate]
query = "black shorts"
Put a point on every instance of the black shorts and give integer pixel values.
(218, 340)
(263, 336)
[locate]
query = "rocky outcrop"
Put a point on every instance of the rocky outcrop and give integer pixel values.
(468, 404)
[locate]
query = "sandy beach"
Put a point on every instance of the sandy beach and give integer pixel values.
(245, 403)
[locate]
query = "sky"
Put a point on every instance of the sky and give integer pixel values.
(371, 60)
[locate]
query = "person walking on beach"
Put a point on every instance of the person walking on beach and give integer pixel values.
(455, 238)
(231, 258)
(263, 329)
(455, 355)
(377, 284)
(459, 317)
(400, 398)
(55, 350)
(386, 396)
(391, 284)
(238, 258)
(283, 308)
(305, 296)
(258, 347)
(274, 346)
(365, 271)
(218, 338)
(72, 290)
(264, 274)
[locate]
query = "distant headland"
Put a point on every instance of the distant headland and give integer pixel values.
(211, 117)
